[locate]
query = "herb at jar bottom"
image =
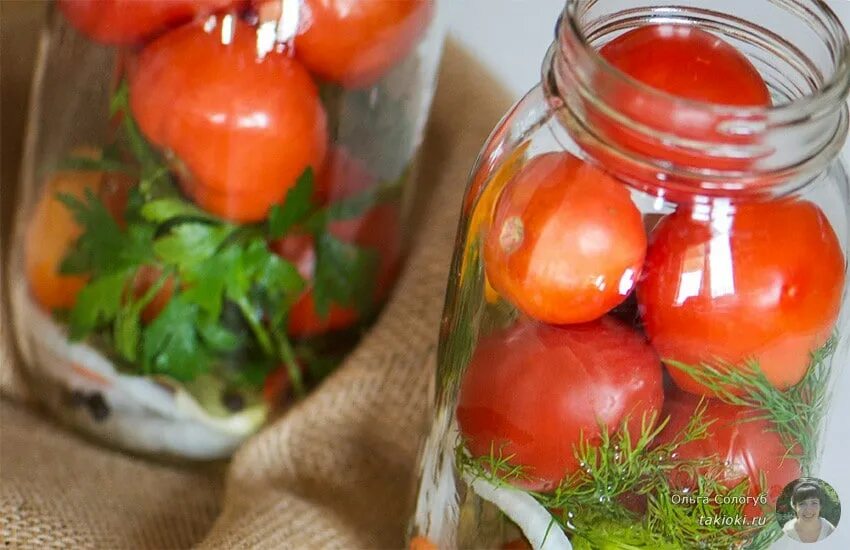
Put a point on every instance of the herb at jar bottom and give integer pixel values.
(797, 412)
(622, 496)
(220, 292)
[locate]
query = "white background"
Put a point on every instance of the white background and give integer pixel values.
(510, 37)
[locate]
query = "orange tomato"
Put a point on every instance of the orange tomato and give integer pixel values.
(128, 21)
(355, 42)
(242, 128)
(761, 282)
(51, 232)
(422, 543)
(566, 243)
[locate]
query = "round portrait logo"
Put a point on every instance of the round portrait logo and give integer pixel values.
(808, 510)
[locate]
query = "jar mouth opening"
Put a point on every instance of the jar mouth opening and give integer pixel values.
(834, 89)
(663, 141)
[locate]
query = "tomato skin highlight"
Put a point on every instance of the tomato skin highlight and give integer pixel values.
(123, 22)
(355, 42)
(379, 229)
(744, 446)
(762, 282)
(243, 129)
(530, 391)
(688, 63)
(566, 243)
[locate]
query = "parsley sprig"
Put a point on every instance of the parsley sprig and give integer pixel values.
(230, 294)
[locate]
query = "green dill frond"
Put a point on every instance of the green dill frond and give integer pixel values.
(796, 413)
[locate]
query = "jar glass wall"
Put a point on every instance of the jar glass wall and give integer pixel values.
(647, 306)
(213, 206)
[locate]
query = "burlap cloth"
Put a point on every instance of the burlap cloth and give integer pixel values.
(337, 471)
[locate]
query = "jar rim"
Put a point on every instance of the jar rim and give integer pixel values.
(835, 89)
(705, 147)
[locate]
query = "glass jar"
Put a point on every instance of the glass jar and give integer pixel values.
(214, 206)
(645, 309)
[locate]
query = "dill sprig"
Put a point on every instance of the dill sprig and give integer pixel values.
(796, 413)
(590, 504)
(615, 464)
(495, 467)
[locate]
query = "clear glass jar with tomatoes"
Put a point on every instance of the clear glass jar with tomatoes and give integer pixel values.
(213, 206)
(646, 307)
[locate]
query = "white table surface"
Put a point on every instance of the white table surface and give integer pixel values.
(510, 38)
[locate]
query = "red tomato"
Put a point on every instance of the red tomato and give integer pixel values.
(143, 280)
(761, 282)
(242, 128)
(240, 207)
(128, 21)
(745, 447)
(276, 387)
(114, 193)
(691, 64)
(354, 42)
(378, 229)
(566, 243)
(532, 390)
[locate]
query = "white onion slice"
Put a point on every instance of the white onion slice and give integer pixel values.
(535, 521)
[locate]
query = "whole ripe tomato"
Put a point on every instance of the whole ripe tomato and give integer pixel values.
(760, 281)
(532, 390)
(378, 229)
(241, 128)
(566, 243)
(744, 446)
(120, 22)
(356, 41)
(688, 63)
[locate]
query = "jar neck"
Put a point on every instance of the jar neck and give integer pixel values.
(668, 143)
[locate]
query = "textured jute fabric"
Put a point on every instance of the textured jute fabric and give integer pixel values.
(336, 471)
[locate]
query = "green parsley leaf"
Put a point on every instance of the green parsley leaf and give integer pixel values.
(345, 275)
(218, 338)
(127, 332)
(206, 281)
(168, 209)
(97, 304)
(171, 344)
(127, 326)
(297, 206)
(269, 272)
(190, 243)
(103, 247)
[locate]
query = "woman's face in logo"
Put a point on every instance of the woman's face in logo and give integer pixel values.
(808, 509)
